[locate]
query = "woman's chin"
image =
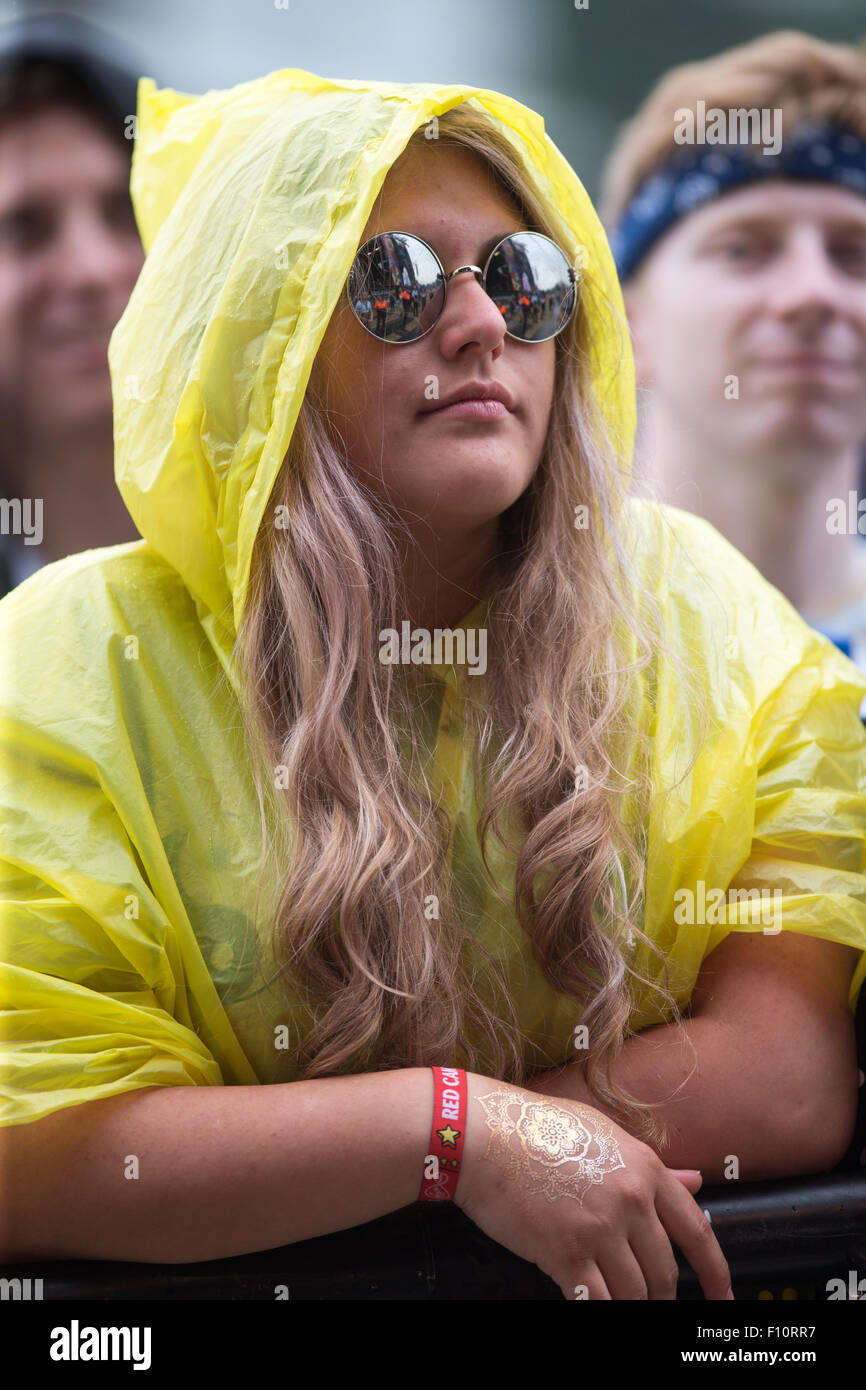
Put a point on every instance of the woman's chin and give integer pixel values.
(473, 488)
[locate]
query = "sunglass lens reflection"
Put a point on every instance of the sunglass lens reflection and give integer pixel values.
(528, 280)
(396, 287)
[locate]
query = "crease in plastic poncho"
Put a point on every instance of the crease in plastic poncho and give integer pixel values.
(130, 828)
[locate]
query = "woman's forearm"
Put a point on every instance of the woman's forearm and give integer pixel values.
(187, 1173)
(736, 1104)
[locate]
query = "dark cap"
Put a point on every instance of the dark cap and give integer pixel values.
(105, 71)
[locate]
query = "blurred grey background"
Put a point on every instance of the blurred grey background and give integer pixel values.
(584, 69)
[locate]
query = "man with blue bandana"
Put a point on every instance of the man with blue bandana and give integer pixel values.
(736, 204)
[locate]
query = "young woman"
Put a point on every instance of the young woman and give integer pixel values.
(407, 741)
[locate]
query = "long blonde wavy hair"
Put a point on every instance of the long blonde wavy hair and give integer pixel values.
(357, 837)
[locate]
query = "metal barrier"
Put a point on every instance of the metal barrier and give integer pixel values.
(783, 1239)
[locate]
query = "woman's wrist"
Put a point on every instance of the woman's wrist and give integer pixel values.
(477, 1132)
(470, 1155)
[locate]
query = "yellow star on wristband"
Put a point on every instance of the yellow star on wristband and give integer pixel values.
(449, 1137)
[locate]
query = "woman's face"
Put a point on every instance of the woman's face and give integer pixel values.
(451, 472)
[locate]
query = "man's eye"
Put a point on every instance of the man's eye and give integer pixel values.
(743, 250)
(119, 212)
(26, 228)
(851, 256)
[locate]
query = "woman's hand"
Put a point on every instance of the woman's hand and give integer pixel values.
(560, 1184)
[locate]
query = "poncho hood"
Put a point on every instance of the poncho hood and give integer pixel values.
(251, 204)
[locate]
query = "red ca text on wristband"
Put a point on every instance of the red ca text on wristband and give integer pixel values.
(442, 1163)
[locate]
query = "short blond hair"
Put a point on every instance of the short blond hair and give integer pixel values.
(803, 76)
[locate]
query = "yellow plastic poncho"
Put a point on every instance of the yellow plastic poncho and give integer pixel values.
(130, 826)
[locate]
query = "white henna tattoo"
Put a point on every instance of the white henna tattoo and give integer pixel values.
(559, 1154)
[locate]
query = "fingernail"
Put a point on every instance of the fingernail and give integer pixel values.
(729, 1294)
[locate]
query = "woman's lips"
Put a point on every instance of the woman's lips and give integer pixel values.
(475, 409)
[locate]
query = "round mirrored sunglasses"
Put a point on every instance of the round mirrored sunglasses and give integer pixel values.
(397, 286)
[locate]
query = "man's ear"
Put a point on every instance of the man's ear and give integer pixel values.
(636, 313)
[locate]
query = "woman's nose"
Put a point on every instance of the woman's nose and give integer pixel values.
(469, 314)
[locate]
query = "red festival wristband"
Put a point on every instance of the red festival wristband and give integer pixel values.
(442, 1163)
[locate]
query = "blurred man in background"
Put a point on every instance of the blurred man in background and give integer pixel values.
(736, 200)
(69, 256)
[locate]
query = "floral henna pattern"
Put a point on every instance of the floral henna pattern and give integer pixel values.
(557, 1152)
